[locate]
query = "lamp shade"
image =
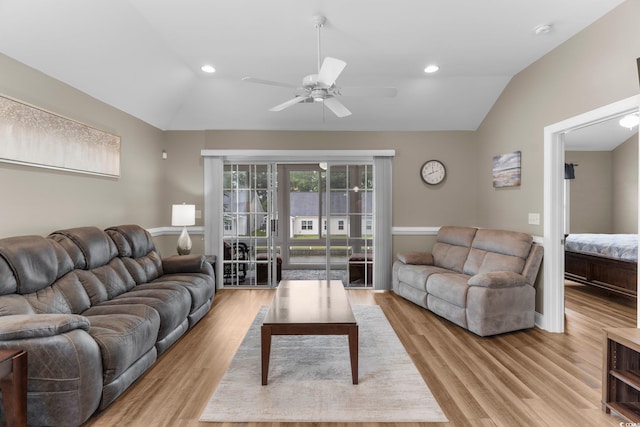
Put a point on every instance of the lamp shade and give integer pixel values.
(183, 215)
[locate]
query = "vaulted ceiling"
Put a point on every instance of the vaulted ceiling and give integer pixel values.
(144, 56)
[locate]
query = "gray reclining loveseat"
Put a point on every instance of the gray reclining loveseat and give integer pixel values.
(93, 309)
(479, 279)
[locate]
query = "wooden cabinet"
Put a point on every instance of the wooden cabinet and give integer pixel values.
(621, 373)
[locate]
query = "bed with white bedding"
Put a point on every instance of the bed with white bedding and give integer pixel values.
(607, 261)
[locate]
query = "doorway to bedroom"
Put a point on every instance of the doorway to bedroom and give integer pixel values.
(554, 204)
(601, 211)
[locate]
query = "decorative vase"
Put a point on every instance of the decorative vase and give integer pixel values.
(184, 242)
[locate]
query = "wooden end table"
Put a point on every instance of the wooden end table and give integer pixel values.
(310, 307)
(13, 383)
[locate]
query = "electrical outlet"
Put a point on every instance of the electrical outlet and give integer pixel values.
(534, 218)
(198, 214)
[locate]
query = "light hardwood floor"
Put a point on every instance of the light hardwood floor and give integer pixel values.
(527, 378)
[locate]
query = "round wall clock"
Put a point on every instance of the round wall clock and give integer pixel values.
(433, 172)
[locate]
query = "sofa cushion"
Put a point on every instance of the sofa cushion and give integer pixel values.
(65, 296)
(201, 287)
(498, 250)
(135, 245)
(172, 304)
(90, 247)
(124, 333)
(31, 263)
(505, 242)
(417, 258)
(15, 304)
(416, 275)
(106, 282)
(498, 279)
(452, 247)
(449, 287)
(131, 240)
(447, 310)
(144, 269)
(46, 325)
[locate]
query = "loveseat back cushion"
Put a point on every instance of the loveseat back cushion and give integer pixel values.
(498, 250)
(138, 251)
(90, 247)
(452, 247)
(31, 263)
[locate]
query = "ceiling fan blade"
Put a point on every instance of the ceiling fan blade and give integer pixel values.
(336, 107)
(267, 82)
(330, 70)
(289, 103)
(372, 92)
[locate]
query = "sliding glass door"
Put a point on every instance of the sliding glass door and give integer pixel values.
(249, 224)
(303, 214)
(330, 227)
(348, 226)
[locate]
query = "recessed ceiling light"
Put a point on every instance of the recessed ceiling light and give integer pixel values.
(431, 68)
(542, 29)
(208, 68)
(630, 121)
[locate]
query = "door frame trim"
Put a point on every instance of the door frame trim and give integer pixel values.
(552, 318)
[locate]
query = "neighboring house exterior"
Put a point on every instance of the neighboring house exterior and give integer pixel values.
(304, 217)
(243, 213)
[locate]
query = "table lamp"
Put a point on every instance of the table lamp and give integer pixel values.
(183, 215)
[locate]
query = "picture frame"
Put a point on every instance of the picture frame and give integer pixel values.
(507, 170)
(35, 137)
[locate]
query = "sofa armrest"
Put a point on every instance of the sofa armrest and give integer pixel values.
(498, 279)
(64, 379)
(183, 264)
(417, 258)
(25, 326)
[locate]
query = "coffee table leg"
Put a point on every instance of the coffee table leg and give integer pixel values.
(14, 392)
(266, 352)
(353, 352)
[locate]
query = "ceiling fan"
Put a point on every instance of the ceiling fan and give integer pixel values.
(321, 87)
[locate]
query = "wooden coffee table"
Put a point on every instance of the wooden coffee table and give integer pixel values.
(310, 307)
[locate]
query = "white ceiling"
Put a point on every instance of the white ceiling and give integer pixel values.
(144, 56)
(602, 136)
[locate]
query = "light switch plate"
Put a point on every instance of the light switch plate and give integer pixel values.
(534, 218)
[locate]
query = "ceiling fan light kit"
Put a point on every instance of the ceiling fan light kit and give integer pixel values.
(321, 87)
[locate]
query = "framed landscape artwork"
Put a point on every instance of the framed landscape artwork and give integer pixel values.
(35, 137)
(506, 170)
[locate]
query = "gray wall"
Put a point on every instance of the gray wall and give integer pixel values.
(38, 201)
(604, 195)
(625, 187)
(591, 192)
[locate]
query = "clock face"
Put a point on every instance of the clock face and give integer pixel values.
(433, 172)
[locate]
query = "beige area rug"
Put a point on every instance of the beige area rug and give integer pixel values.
(310, 379)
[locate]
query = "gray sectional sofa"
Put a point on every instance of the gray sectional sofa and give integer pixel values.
(479, 279)
(93, 309)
